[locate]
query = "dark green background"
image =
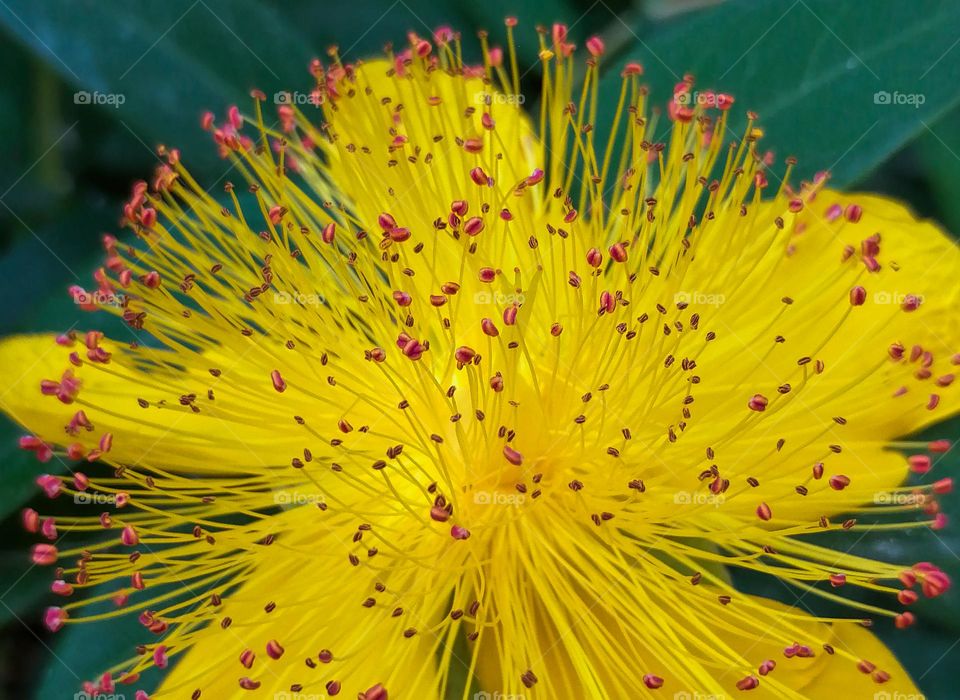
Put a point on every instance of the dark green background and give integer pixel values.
(810, 68)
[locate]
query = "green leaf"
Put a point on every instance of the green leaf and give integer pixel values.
(157, 66)
(817, 72)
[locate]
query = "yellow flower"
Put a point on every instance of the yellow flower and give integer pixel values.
(442, 394)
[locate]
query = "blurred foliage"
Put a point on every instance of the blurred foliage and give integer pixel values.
(811, 70)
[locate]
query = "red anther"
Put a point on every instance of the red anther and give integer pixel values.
(556, 329)
(908, 578)
(594, 257)
(881, 677)
(510, 314)
(617, 251)
(464, 354)
(274, 650)
(487, 274)
(837, 580)
(440, 514)
(275, 214)
(896, 351)
(247, 657)
(934, 583)
(49, 529)
(480, 178)
(534, 177)
(559, 34)
(943, 486)
(333, 687)
(939, 446)
(160, 659)
(758, 403)
(945, 380)
(328, 233)
(764, 512)
(632, 69)
(151, 280)
(847, 253)
(437, 300)
(858, 295)
(43, 554)
(386, 222)
(377, 692)
(148, 217)
(506, 214)
(129, 536)
(106, 442)
(248, 683)
(61, 587)
(458, 532)
(512, 456)
(206, 120)
(570, 216)
(121, 499)
(459, 207)
(933, 402)
(766, 667)
(473, 145)
(424, 48)
(136, 580)
(234, 117)
(53, 618)
(378, 354)
(139, 695)
(651, 681)
(839, 482)
(915, 353)
(595, 46)
(865, 666)
(748, 683)
(870, 247)
(907, 597)
(496, 382)
(818, 470)
(911, 302)
(399, 234)
(724, 101)
(277, 380)
(106, 522)
(853, 213)
(489, 327)
(940, 521)
(608, 302)
(30, 520)
(402, 298)
(795, 205)
(344, 426)
(919, 464)
(50, 484)
(473, 226)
